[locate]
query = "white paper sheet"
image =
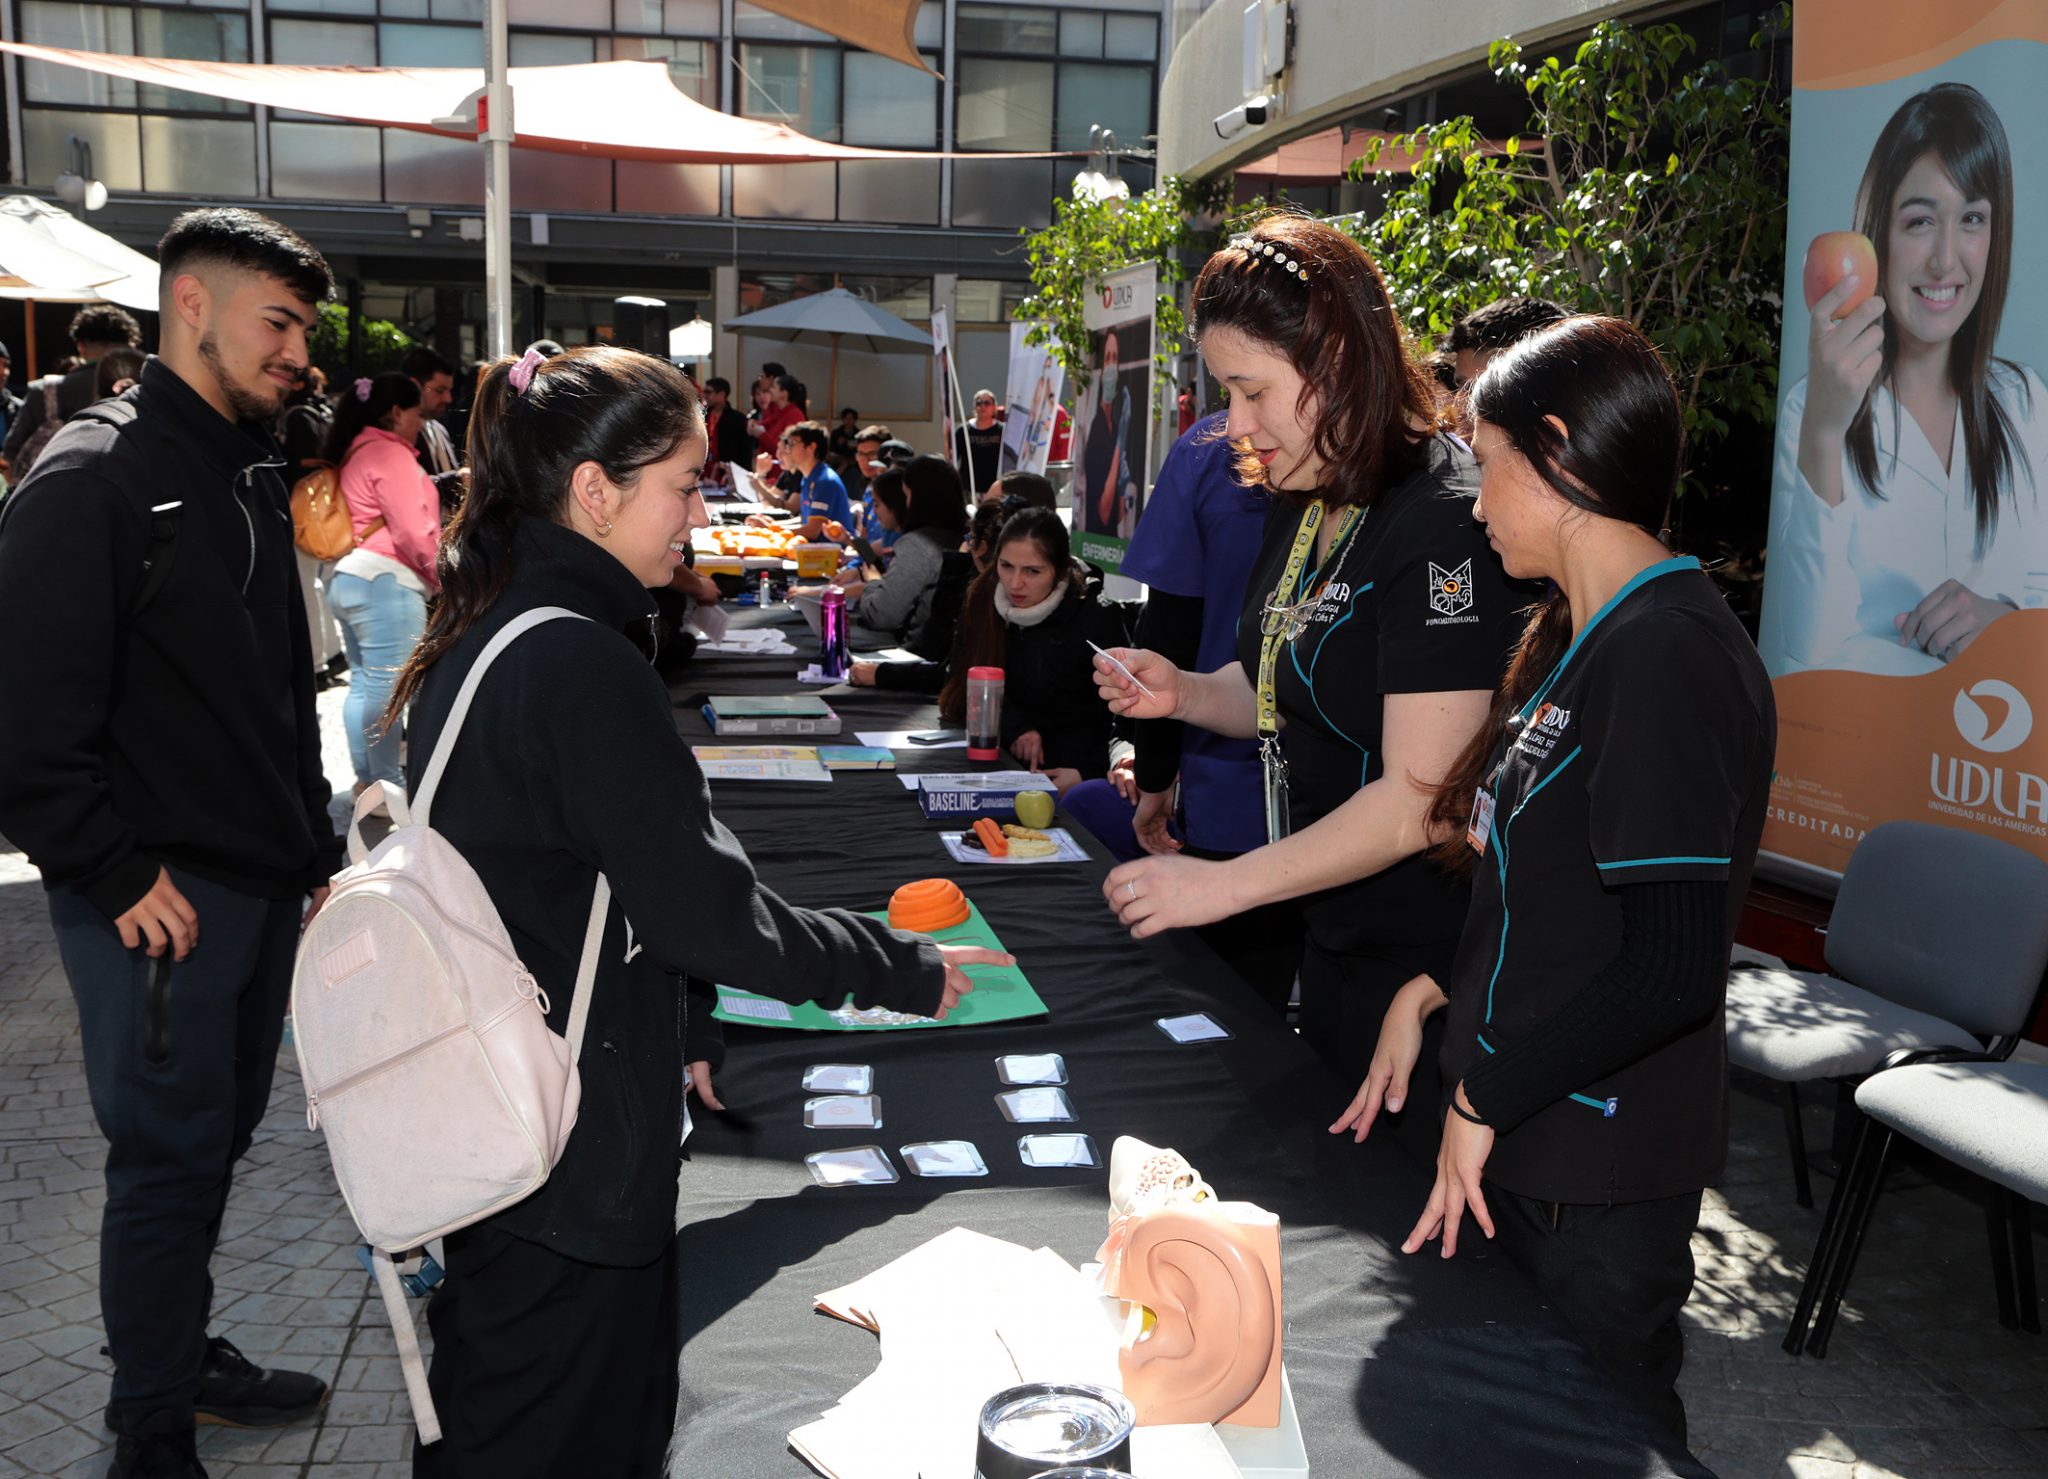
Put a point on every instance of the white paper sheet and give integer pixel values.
(971, 780)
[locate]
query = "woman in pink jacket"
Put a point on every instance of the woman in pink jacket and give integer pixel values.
(379, 589)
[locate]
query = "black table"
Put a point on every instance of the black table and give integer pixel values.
(1400, 1365)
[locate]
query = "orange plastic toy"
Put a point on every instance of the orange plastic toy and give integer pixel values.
(928, 905)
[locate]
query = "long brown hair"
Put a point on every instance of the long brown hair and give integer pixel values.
(983, 642)
(1375, 405)
(616, 407)
(1953, 122)
(1622, 460)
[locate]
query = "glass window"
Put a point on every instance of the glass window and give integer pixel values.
(793, 192)
(1010, 28)
(888, 106)
(931, 25)
(796, 85)
(1131, 38)
(690, 17)
(333, 7)
(906, 297)
(401, 45)
(192, 35)
(667, 189)
(637, 17)
(545, 181)
(903, 191)
(473, 10)
(1118, 98)
(1005, 104)
(528, 50)
(421, 169)
(207, 157)
(78, 28)
(691, 64)
(116, 145)
(751, 20)
(587, 15)
(1002, 192)
(406, 9)
(335, 43)
(987, 300)
(325, 161)
(1080, 33)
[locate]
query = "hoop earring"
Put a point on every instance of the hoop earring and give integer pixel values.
(604, 529)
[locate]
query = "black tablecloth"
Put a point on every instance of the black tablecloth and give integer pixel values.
(1400, 1365)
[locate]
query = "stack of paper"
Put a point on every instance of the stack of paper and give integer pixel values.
(961, 1318)
(751, 642)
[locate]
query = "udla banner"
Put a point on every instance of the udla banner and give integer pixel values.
(1113, 421)
(1905, 621)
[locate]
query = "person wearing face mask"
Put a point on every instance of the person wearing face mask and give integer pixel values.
(555, 1330)
(1375, 625)
(379, 589)
(1108, 488)
(1911, 507)
(1032, 614)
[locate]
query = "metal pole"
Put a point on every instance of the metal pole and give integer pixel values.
(495, 116)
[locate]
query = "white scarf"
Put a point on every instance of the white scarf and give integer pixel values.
(1030, 616)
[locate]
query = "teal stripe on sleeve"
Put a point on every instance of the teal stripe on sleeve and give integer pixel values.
(1656, 862)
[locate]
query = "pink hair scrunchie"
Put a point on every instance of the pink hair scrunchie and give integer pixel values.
(521, 374)
(363, 388)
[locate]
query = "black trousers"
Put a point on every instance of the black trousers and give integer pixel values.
(546, 1367)
(1262, 945)
(1619, 1275)
(1344, 998)
(178, 1061)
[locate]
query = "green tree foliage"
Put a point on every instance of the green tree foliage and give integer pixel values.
(384, 344)
(1649, 188)
(1177, 221)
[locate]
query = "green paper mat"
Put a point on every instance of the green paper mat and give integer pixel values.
(1001, 994)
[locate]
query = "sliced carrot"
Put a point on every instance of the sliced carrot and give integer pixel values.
(992, 837)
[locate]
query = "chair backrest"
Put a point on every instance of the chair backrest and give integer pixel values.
(1944, 921)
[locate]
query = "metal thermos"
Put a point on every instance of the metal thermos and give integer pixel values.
(984, 713)
(833, 662)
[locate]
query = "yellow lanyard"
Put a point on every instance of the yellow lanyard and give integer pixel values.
(1284, 617)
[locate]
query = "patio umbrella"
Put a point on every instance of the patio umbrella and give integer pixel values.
(838, 318)
(48, 255)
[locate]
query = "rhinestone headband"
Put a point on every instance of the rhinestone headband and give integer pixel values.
(1251, 246)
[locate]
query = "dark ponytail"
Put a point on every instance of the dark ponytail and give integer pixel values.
(982, 641)
(367, 402)
(1621, 460)
(616, 407)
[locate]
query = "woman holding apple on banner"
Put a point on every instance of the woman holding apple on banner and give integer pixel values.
(1910, 457)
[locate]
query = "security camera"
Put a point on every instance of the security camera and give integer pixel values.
(1251, 113)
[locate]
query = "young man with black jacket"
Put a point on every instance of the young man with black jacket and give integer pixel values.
(160, 763)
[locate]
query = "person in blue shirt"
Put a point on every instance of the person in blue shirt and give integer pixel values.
(821, 499)
(1194, 547)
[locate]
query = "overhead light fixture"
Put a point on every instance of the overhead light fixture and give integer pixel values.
(1105, 184)
(76, 186)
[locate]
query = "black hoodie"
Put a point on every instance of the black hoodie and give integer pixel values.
(183, 733)
(569, 763)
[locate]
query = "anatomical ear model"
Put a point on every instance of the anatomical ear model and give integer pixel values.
(1203, 1341)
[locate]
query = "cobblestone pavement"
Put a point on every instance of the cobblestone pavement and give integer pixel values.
(1920, 1382)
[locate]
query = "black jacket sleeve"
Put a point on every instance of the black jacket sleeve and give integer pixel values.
(1670, 976)
(26, 420)
(910, 677)
(631, 799)
(71, 565)
(1171, 626)
(703, 1034)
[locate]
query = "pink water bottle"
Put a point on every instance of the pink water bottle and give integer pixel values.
(984, 713)
(833, 661)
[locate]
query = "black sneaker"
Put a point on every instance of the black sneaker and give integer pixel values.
(161, 1456)
(237, 1393)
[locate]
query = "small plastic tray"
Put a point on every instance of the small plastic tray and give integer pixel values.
(944, 1158)
(1036, 1106)
(844, 1112)
(1032, 1068)
(852, 1165)
(839, 1078)
(1052, 1151)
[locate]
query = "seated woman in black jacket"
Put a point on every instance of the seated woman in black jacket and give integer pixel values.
(922, 503)
(1033, 614)
(555, 1331)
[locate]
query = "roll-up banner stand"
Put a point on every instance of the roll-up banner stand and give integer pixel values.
(1113, 421)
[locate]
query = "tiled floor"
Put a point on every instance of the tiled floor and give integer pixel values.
(1920, 1381)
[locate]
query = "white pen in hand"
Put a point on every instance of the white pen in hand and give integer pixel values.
(1124, 672)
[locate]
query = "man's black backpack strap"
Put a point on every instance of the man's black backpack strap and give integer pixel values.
(163, 519)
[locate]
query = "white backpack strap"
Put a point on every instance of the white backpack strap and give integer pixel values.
(395, 1305)
(586, 968)
(511, 632)
(379, 796)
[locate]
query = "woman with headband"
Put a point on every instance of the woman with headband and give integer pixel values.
(555, 1331)
(1376, 625)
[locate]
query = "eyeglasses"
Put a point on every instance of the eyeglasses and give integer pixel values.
(984, 403)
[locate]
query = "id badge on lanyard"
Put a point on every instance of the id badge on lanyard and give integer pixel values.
(1480, 832)
(1282, 619)
(1273, 762)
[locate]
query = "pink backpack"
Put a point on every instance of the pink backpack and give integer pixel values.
(411, 1012)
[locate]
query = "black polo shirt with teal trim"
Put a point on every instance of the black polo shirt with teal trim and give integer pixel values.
(1644, 756)
(1411, 601)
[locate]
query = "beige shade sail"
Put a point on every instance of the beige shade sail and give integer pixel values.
(885, 27)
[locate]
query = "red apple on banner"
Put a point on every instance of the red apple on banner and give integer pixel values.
(1832, 257)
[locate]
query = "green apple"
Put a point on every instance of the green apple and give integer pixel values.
(1034, 809)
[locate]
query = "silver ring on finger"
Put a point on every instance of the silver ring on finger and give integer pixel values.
(1131, 888)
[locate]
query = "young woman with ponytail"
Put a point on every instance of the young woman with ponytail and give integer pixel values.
(555, 1336)
(379, 589)
(1609, 813)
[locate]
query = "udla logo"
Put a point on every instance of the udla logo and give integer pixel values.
(1975, 725)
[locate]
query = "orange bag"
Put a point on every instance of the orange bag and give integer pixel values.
(321, 525)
